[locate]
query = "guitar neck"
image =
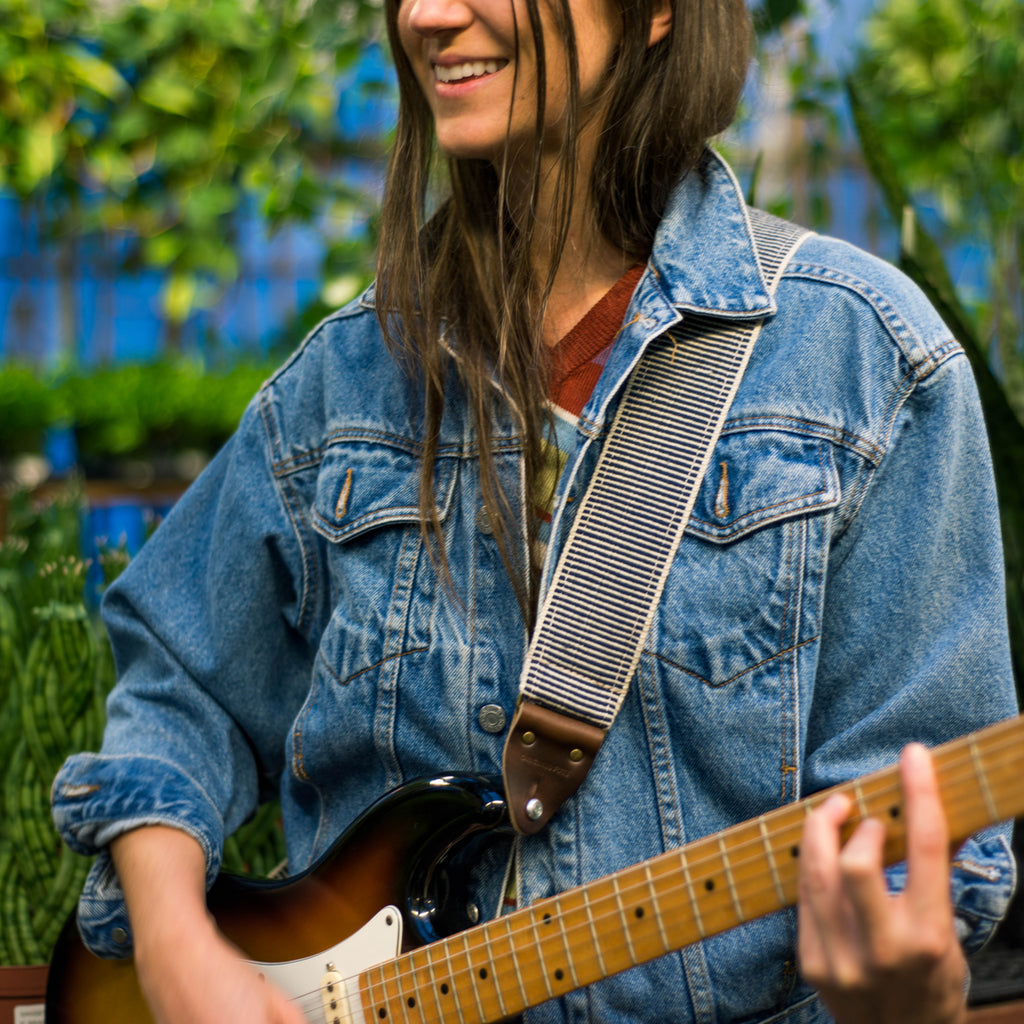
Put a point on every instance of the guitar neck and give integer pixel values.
(644, 911)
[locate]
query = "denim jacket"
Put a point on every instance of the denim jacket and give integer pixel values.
(838, 593)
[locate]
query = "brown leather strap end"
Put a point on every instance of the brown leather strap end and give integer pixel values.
(547, 756)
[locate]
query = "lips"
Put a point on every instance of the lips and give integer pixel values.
(450, 74)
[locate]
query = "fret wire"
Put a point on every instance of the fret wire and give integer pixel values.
(493, 975)
(597, 942)
(979, 771)
(780, 894)
(382, 970)
(730, 880)
(369, 991)
(959, 804)
(569, 958)
(622, 917)
(859, 800)
(889, 790)
(688, 882)
(538, 942)
(656, 908)
(435, 986)
(432, 981)
(472, 979)
(506, 920)
(380, 986)
(401, 996)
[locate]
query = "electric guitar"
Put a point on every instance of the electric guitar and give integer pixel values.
(376, 932)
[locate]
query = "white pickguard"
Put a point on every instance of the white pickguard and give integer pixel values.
(304, 981)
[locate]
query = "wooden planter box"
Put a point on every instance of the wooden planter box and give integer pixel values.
(22, 994)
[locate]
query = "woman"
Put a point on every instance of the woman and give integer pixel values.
(342, 601)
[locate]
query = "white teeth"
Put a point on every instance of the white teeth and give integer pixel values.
(460, 72)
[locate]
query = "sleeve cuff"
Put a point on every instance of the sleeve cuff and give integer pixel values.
(97, 798)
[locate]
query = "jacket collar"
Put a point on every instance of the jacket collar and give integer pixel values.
(703, 253)
(703, 261)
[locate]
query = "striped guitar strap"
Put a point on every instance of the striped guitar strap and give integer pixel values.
(630, 523)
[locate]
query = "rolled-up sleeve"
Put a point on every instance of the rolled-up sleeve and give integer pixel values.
(914, 634)
(212, 657)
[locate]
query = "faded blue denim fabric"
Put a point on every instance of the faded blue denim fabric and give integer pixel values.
(838, 593)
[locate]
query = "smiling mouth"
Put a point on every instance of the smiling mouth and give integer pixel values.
(466, 72)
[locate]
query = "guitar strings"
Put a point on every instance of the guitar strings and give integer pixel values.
(675, 865)
(458, 974)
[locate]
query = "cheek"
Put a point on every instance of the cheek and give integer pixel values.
(411, 49)
(407, 38)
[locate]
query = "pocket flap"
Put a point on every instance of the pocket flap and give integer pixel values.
(364, 485)
(758, 477)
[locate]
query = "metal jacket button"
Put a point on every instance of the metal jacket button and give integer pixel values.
(483, 521)
(492, 718)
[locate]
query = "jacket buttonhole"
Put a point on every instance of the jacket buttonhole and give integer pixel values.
(722, 498)
(346, 489)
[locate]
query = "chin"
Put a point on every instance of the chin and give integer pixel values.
(462, 149)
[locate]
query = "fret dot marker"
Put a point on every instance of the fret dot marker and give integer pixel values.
(444, 990)
(483, 972)
(794, 852)
(639, 912)
(894, 813)
(709, 884)
(559, 974)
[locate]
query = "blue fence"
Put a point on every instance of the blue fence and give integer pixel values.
(72, 299)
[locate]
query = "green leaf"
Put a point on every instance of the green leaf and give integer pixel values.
(38, 156)
(167, 92)
(179, 296)
(95, 73)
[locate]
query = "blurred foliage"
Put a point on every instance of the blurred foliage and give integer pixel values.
(922, 258)
(56, 669)
(157, 119)
(128, 409)
(938, 106)
(942, 84)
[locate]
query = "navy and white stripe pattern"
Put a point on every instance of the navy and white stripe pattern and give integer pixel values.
(599, 608)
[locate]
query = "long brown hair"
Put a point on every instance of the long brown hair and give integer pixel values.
(452, 257)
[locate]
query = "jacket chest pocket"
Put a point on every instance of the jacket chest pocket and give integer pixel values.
(380, 582)
(381, 587)
(745, 586)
